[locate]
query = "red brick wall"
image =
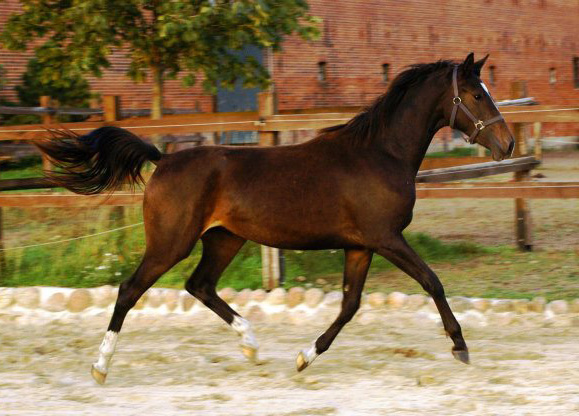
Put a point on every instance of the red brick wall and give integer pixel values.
(525, 38)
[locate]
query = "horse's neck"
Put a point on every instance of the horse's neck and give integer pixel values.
(414, 123)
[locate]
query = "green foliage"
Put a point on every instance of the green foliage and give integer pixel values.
(27, 167)
(111, 258)
(2, 75)
(68, 88)
(18, 119)
(456, 152)
(168, 37)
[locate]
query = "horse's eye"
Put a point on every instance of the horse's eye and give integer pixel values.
(477, 97)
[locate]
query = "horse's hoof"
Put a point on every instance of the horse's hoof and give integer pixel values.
(98, 376)
(301, 362)
(249, 352)
(461, 355)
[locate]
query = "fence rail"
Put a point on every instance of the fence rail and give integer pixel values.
(50, 111)
(477, 170)
(268, 123)
(175, 124)
(251, 121)
(499, 190)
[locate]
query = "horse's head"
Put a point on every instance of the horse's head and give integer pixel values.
(472, 110)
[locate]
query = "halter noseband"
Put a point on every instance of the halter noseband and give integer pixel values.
(478, 124)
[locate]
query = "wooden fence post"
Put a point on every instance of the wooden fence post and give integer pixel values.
(46, 119)
(270, 257)
(538, 144)
(266, 106)
(216, 135)
(111, 108)
(523, 223)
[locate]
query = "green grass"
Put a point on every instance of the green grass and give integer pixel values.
(466, 269)
(31, 172)
(502, 272)
(16, 166)
(110, 258)
(456, 152)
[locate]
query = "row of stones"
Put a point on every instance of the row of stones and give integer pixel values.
(77, 300)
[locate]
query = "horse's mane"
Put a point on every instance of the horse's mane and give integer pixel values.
(377, 115)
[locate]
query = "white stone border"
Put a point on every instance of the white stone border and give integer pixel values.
(293, 306)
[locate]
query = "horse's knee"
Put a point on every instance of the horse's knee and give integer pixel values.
(199, 290)
(349, 309)
(129, 294)
(434, 287)
(192, 287)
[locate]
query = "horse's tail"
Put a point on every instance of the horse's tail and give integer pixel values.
(100, 161)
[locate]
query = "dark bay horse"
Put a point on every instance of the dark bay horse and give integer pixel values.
(352, 187)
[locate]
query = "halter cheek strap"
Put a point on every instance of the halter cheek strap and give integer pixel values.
(457, 103)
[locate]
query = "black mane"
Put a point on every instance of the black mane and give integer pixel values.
(375, 117)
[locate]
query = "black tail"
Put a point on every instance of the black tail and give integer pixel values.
(100, 161)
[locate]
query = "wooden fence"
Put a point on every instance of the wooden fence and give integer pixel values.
(269, 123)
(252, 121)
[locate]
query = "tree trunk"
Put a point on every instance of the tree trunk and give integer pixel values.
(157, 105)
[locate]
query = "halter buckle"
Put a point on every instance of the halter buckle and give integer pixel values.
(479, 125)
(456, 100)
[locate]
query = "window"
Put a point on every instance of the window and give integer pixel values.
(322, 75)
(385, 73)
(492, 75)
(552, 76)
(576, 71)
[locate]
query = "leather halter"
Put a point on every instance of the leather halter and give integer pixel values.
(478, 124)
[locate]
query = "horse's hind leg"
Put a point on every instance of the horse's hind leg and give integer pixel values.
(151, 268)
(166, 246)
(403, 256)
(355, 272)
(219, 248)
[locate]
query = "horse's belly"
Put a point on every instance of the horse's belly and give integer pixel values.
(298, 233)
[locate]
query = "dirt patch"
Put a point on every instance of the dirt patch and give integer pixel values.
(491, 221)
(398, 365)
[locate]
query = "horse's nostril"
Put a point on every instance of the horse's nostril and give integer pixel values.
(511, 147)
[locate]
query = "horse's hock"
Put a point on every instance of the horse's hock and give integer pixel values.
(296, 306)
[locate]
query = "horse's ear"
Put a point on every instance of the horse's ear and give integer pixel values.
(468, 64)
(479, 64)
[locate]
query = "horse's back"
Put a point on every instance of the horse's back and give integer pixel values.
(275, 195)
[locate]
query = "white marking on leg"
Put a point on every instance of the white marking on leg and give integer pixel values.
(243, 329)
(106, 351)
(310, 354)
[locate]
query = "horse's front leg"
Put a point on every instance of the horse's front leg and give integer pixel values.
(397, 250)
(355, 271)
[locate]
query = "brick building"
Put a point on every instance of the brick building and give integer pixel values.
(365, 43)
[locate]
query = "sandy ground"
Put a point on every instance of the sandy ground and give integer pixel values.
(399, 365)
